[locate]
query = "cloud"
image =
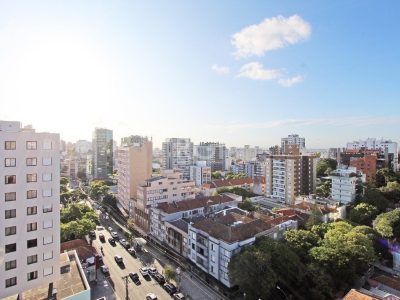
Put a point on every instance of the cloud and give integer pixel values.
(220, 69)
(256, 71)
(288, 82)
(271, 34)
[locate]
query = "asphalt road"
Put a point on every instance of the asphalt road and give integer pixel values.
(131, 264)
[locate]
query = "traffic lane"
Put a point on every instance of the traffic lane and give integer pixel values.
(130, 265)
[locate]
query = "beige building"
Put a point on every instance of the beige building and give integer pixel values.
(168, 187)
(134, 166)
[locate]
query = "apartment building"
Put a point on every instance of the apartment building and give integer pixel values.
(30, 212)
(178, 154)
(168, 187)
(102, 153)
(344, 184)
(387, 149)
(200, 173)
(134, 164)
(366, 165)
(213, 241)
(215, 154)
(287, 176)
(292, 139)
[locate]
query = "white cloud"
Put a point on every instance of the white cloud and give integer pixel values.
(220, 69)
(270, 34)
(288, 82)
(256, 71)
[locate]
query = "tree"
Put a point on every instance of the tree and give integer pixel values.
(247, 205)
(324, 164)
(388, 224)
(91, 216)
(383, 176)
(324, 189)
(64, 181)
(81, 175)
(169, 273)
(231, 175)
(391, 191)
(216, 175)
(110, 200)
(301, 241)
(98, 188)
(363, 214)
(315, 218)
(374, 197)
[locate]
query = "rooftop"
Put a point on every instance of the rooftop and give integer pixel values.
(391, 282)
(356, 295)
(228, 183)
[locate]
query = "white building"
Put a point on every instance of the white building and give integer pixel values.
(344, 183)
(293, 139)
(30, 212)
(200, 173)
(215, 154)
(388, 147)
(177, 153)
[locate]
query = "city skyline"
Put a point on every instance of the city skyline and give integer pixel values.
(228, 72)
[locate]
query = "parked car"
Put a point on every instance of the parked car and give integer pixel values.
(144, 271)
(134, 277)
(114, 234)
(132, 251)
(118, 259)
(111, 241)
(170, 288)
(153, 271)
(92, 234)
(159, 278)
(179, 296)
(110, 229)
(124, 243)
(104, 269)
(151, 296)
(102, 238)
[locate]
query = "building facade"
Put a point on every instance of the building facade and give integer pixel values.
(30, 213)
(178, 154)
(344, 184)
(134, 164)
(102, 153)
(215, 154)
(292, 139)
(200, 173)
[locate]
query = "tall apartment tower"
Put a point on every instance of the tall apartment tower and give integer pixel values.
(292, 139)
(214, 154)
(134, 164)
(178, 154)
(30, 210)
(102, 144)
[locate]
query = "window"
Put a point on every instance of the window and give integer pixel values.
(48, 271)
(12, 264)
(32, 259)
(32, 275)
(31, 145)
(47, 145)
(31, 227)
(47, 240)
(48, 255)
(10, 145)
(11, 248)
(47, 224)
(31, 210)
(10, 179)
(10, 213)
(46, 177)
(31, 243)
(10, 162)
(31, 161)
(31, 177)
(31, 194)
(47, 208)
(11, 282)
(212, 247)
(11, 196)
(46, 161)
(11, 230)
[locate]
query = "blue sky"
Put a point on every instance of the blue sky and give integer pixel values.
(239, 72)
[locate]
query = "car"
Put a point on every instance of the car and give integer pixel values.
(102, 238)
(92, 234)
(114, 234)
(144, 271)
(159, 278)
(179, 296)
(111, 241)
(124, 243)
(170, 288)
(134, 277)
(118, 259)
(104, 269)
(151, 296)
(153, 271)
(110, 229)
(132, 251)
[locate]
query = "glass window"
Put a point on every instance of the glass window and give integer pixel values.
(32, 275)
(31, 177)
(32, 259)
(31, 243)
(31, 210)
(48, 271)
(47, 193)
(11, 230)
(47, 176)
(11, 196)
(46, 161)
(47, 240)
(31, 145)
(10, 213)
(31, 161)
(31, 227)
(11, 248)
(31, 194)
(10, 145)
(10, 162)
(47, 208)
(10, 179)
(47, 224)
(12, 264)
(48, 255)
(11, 282)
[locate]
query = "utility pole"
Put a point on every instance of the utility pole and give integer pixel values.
(126, 287)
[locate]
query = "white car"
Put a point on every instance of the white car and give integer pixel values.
(114, 234)
(144, 271)
(151, 296)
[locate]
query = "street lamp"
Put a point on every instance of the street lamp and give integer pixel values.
(178, 272)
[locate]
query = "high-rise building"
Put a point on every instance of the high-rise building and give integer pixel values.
(178, 154)
(83, 147)
(102, 153)
(214, 154)
(200, 173)
(344, 183)
(30, 210)
(292, 139)
(134, 165)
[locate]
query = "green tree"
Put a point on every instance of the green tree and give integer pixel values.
(388, 224)
(301, 241)
(363, 214)
(91, 216)
(64, 181)
(230, 175)
(324, 189)
(383, 176)
(110, 200)
(315, 218)
(374, 197)
(169, 273)
(247, 205)
(98, 188)
(320, 229)
(216, 175)
(324, 164)
(391, 191)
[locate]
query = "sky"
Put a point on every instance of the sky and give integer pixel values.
(238, 72)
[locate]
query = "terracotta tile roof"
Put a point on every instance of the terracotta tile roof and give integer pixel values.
(356, 295)
(309, 206)
(228, 183)
(259, 179)
(388, 281)
(191, 204)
